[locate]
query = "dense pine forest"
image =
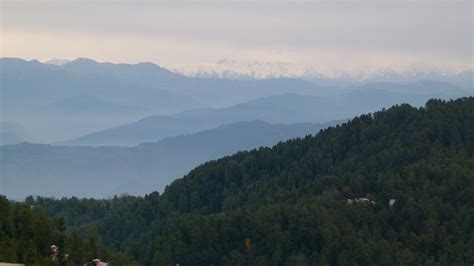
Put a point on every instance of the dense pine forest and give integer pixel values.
(28, 236)
(395, 187)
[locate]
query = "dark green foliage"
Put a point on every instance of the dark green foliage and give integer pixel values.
(27, 233)
(290, 201)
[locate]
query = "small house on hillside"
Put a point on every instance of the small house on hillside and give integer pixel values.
(361, 200)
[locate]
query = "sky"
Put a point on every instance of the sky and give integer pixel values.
(326, 35)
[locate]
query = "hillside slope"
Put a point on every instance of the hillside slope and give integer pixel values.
(297, 203)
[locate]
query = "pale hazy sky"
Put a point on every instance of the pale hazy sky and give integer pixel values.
(325, 34)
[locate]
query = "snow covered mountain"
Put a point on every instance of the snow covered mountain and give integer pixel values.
(57, 62)
(233, 69)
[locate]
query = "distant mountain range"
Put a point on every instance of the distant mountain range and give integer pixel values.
(140, 126)
(286, 108)
(83, 95)
(105, 171)
(143, 84)
(247, 70)
(64, 100)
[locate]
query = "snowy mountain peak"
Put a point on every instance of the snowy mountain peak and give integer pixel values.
(233, 69)
(57, 62)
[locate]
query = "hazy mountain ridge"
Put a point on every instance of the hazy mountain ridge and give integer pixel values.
(86, 76)
(42, 169)
(29, 86)
(286, 108)
(86, 104)
(77, 98)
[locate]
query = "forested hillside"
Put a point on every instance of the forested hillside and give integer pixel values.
(27, 234)
(391, 188)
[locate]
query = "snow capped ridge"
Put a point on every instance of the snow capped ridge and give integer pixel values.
(213, 73)
(57, 62)
(414, 73)
(233, 69)
(227, 68)
(62, 62)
